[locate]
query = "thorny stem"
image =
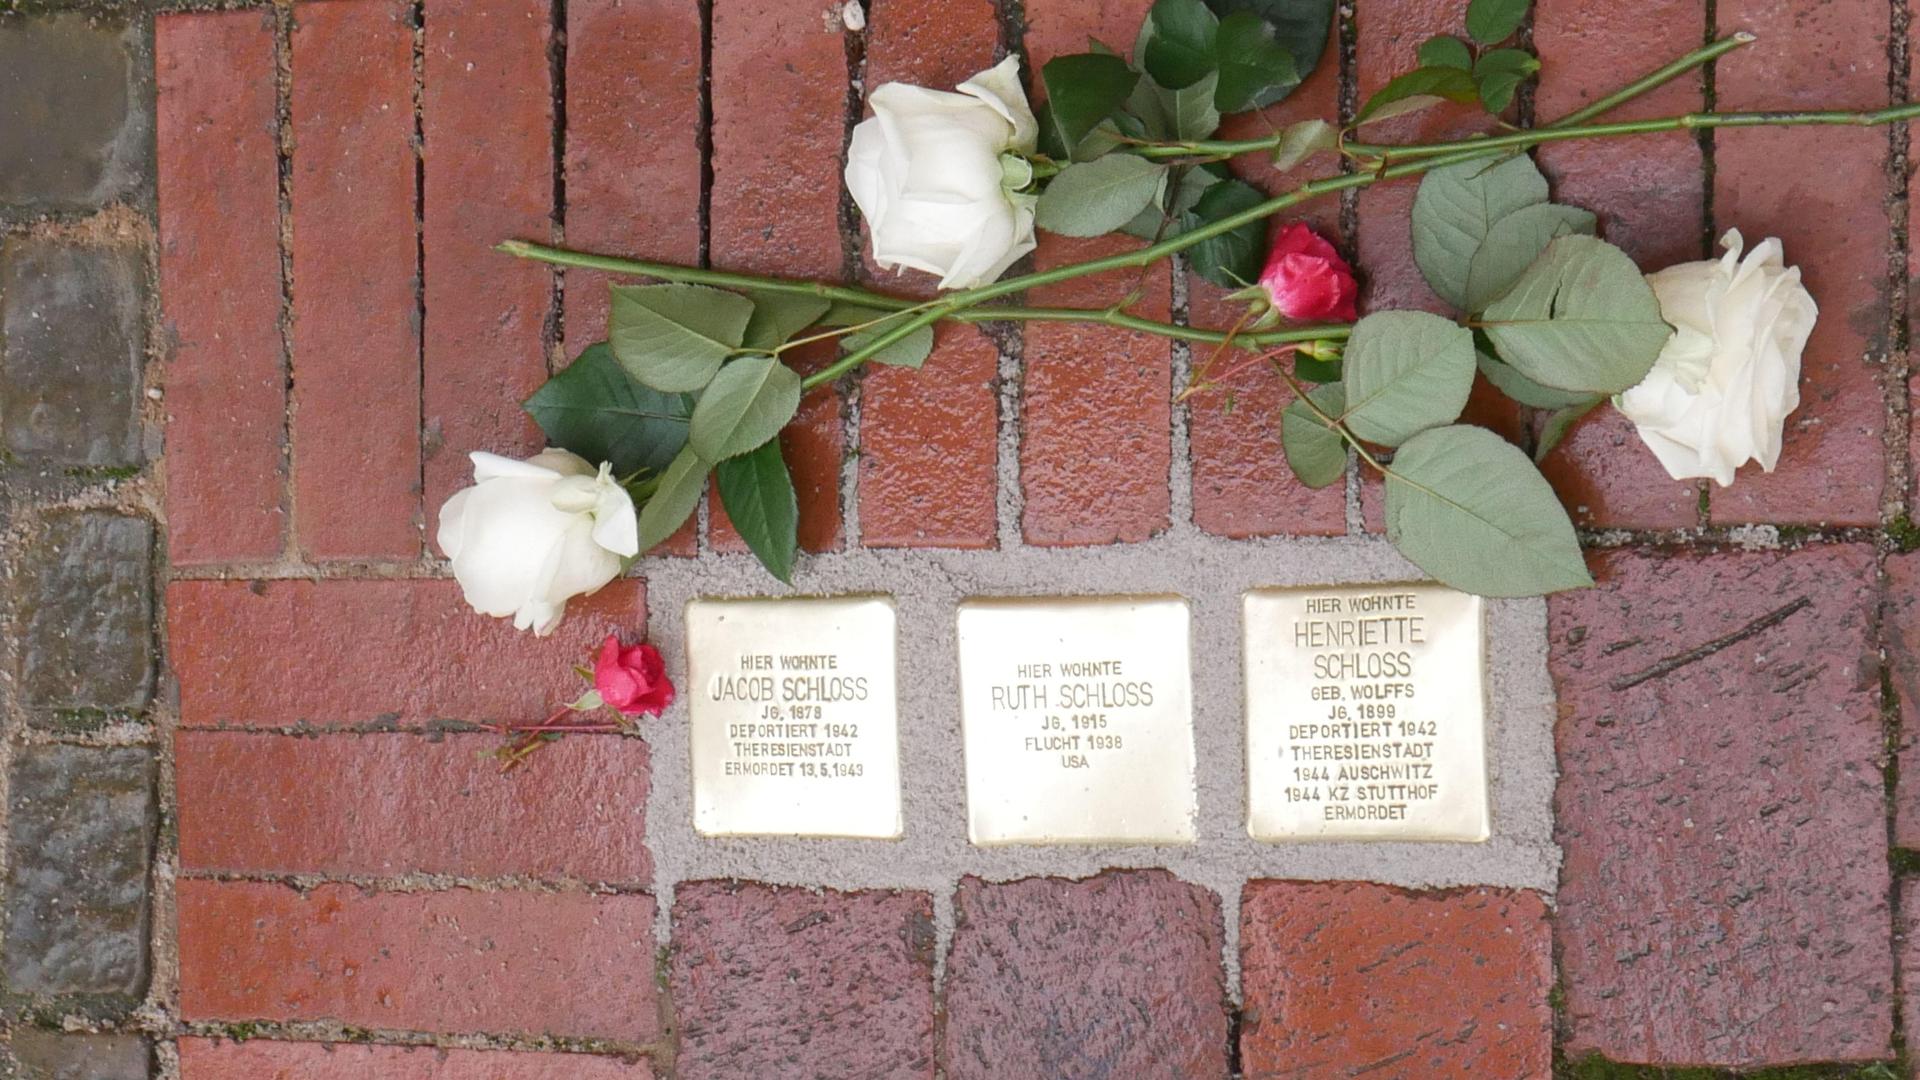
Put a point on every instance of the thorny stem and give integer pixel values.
(1687, 122)
(1336, 423)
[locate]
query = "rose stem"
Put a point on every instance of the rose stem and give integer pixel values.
(962, 305)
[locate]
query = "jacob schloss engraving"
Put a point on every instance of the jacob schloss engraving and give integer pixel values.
(794, 724)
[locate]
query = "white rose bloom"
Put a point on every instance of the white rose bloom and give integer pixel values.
(1724, 384)
(925, 169)
(530, 534)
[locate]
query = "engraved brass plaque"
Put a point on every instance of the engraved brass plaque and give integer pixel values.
(794, 714)
(1366, 714)
(1078, 720)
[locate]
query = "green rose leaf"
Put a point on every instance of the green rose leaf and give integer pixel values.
(1186, 113)
(747, 403)
(1499, 73)
(1470, 509)
(909, 352)
(1316, 370)
(1522, 389)
(1302, 27)
(674, 337)
(1443, 50)
(1082, 90)
(1454, 209)
(1315, 452)
(1251, 61)
(1176, 43)
(1418, 89)
(595, 409)
(674, 500)
(1185, 186)
(757, 492)
(1095, 197)
(779, 316)
(1581, 318)
(1493, 21)
(1303, 140)
(1405, 371)
(1231, 259)
(1559, 423)
(1513, 243)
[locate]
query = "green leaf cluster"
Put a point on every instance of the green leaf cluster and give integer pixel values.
(690, 384)
(1452, 69)
(1554, 317)
(1192, 62)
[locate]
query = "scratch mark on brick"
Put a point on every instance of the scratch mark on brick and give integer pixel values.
(1700, 652)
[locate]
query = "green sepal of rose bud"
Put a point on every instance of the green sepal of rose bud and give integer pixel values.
(1320, 350)
(587, 702)
(1261, 314)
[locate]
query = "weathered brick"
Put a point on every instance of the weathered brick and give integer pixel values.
(220, 287)
(47, 1055)
(268, 653)
(85, 613)
(208, 1059)
(1724, 895)
(71, 343)
(563, 964)
(74, 106)
(1117, 975)
(1241, 483)
(633, 150)
(356, 315)
(487, 117)
(787, 982)
(80, 831)
(1649, 193)
(1097, 434)
(385, 805)
(1097, 428)
(929, 451)
(778, 131)
(1901, 641)
(928, 439)
(1832, 221)
(1349, 978)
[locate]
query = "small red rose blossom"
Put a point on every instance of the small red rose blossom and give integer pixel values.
(1306, 279)
(632, 679)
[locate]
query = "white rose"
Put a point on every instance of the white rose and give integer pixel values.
(925, 169)
(530, 534)
(1722, 388)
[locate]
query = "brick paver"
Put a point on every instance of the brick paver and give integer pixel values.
(1349, 979)
(1724, 895)
(356, 273)
(1832, 223)
(531, 963)
(928, 451)
(486, 119)
(789, 982)
(207, 1059)
(778, 132)
(1117, 975)
(384, 805)
(337, 653)
(1900, 637)
(220, 287)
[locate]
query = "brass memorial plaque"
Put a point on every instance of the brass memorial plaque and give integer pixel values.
(795, 727)
(1366, 714)
(1078, 718)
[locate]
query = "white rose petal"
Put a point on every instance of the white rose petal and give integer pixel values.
(925, 171)
(529, 535)
(1721, 391)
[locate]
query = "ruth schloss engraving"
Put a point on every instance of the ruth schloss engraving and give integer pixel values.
(1366, 714)
(794, 714)
(1077, 715)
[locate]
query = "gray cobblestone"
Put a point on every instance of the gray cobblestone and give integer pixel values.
(85, 613)
(71, 344)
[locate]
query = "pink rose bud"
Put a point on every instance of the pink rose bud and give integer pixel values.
(1306, 279)
(632, 679)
